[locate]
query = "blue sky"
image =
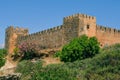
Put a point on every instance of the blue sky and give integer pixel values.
(37, 15)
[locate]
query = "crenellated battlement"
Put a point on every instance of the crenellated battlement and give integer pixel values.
(106, 29)
(10, 29)
(17, 30)
(50, 30)
(79, 16)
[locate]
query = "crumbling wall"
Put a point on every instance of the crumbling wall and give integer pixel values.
(11, 36)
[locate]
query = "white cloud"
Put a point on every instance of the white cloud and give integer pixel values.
(1, 45)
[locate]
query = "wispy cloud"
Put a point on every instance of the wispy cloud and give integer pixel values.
(1, 45)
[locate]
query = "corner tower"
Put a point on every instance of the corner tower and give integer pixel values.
(11, 36)
(77, 25)
(87, 25)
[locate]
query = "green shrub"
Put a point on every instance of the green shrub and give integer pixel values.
(57, 54)
(2, 60)
(27, 68)
(55, 72)
(105, 66)
(16, 54)
(3, 53)
(80, 48)
(28, 50)
(35, 71)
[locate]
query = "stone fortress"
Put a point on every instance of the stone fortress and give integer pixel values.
(53, 38)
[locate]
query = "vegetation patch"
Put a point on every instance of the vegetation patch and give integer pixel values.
(103, 66)
(26, 50)
(3, 53)
(79, 49)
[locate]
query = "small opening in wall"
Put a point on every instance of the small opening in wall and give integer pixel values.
(101, 45)
(114, 30)
(88, 26)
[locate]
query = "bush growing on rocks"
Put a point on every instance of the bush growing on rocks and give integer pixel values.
(28, 50)
(80, 48)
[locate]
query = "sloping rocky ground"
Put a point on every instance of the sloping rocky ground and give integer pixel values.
(7, 72)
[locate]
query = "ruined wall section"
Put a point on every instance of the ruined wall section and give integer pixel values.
(11, 36)
(107, 36)
(8, 35)
(47, 39)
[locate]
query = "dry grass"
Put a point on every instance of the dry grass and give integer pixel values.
(51, 60)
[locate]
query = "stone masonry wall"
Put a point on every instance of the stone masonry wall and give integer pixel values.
(73, 26)
(54, 37)
(51, 38)
(107, 36)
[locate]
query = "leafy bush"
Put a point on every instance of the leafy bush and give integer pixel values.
(27, 68)
(28, 50)
(80, 48)
(105, 66)
(55, 72)
(35, 71)
(2, 62)
(57, 54)
(16, 54)
(3, 53)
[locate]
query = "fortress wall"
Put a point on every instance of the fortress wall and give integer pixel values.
(11, 37)
(73, 26)
(51, 38)
(107, 36)
(55, 37)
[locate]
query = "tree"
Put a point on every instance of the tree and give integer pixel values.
(80, 48)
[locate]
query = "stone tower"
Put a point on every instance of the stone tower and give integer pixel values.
(11, 36)
(87, 25)
(77, 25)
